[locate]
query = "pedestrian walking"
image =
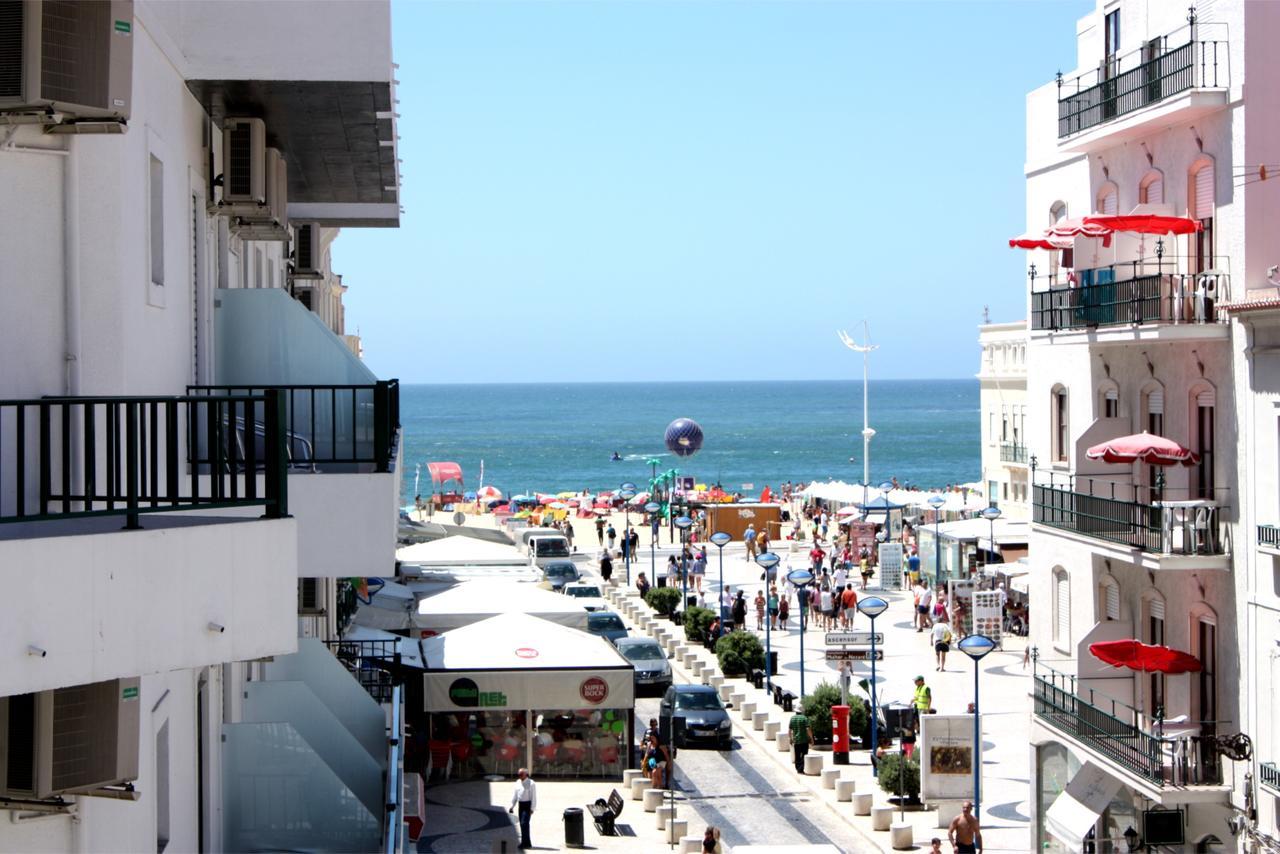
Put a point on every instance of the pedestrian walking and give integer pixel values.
(749, 538)
(850, 609)
(611, 535)
(567, 529)
(600, 529)
(922, 700)
(642, 585)
(845, 679)
(634, 539)
(760, 606)
(784, 609)
(699, 569)
(801, 736)
(923, 597)
(524, 796)
(816, 554)
(773, 606)
(740, 611)
(940, 636)
(711, 841)
(606, 566)
(965, 833)
(673, 572)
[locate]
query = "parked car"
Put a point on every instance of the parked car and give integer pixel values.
(587, 595)
(558, 573)
(653, 671)
(607, 625)
(697, 715)
(543, 550)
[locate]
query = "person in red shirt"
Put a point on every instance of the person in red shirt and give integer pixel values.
(850, 601)
(816, 556)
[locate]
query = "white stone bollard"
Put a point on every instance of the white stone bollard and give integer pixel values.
(758, 720)
(638, 787)
(716, 679)
(676, 830)
(691, 845)
(881, 817)
(664, 814)
(845, 789)
(900, 836)
(861, 803)
(736, 699)
(783, 743)
(747, 709)
(653, 799)
(690, 659)
(629, 775)
(771, 729)
(726, 690)
(830, 776)
(813, 764)
(947, 810)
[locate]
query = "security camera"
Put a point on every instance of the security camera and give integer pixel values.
(217, 628)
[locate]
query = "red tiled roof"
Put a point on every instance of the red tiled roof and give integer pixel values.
(1268, 304)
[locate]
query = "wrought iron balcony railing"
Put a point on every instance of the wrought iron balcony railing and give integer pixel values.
(1159, 527)
(1129, 295)
(374, 663)
(1269, 776)
(1269, 536)
(1012, 452)
(1161, 68)
(63, 457)
(1110, 728)
(332, 427)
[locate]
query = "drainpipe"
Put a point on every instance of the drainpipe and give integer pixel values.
(71, 267)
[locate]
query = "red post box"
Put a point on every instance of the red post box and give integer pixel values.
(840, 735)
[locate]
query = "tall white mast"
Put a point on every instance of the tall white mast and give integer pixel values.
(865, 349)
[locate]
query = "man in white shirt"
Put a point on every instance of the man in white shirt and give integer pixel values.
(524, 796)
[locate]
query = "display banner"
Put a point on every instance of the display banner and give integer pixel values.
(482, 690)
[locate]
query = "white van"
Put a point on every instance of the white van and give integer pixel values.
(544, 550)
(523, 538)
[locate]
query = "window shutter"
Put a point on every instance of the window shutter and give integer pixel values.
(1108, 204)
(1112, 394)
(1155, 402)
(1113, 601)
(1155, 608)
(1153, 191)
(1062, 617)
(1205, 398)
(1203, 193)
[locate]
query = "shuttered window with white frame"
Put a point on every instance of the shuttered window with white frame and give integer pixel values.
(1206, 398)
(1155, 610)
(1061, 608)
(1108, 201)
(1110, 599)
(1203, 199)
(1151, 192)
(1155, 402)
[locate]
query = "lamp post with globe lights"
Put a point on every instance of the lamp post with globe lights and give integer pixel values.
(872, 607)
(768, 561)
(684, 523)
(977, 647)
(626, 493)
(936, 503)
(991, 514)
(651, 508)
(801, 579)
(720, 539)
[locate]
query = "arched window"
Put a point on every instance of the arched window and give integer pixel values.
(1061, 608)
(1108, 199)
(1151, 188)
(1108, 597)
(1201, 202)
(1108, 399)
(1152, 631)
(1152, 421)
(1204, 646)
(1060, 440)
(1202, 406)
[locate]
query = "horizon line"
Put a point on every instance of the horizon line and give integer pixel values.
(857, 380)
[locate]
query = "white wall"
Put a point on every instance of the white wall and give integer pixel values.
(346, 524)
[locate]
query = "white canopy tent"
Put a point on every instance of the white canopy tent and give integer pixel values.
(390, 607)
(460, 605)
(460, 550)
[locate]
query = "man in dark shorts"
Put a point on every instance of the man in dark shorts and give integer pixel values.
(964, 834)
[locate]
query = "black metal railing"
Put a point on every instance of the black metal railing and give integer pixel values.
(1122, 85)
(1109, 727)
(1183, 527)
(374, 663)
(1269, 775)
(1269, 536)
(332, 427)
(1012, 452)
(64, 457)
(1147, 297)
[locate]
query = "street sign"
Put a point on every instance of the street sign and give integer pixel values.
(854, 638)
(854, 655)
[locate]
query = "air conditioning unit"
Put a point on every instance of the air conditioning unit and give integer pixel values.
(269, 221)
(72, 739)
(307, 251)
(244, 166)
(65, 64)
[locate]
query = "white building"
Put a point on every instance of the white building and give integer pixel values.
(1134, 335)
(1002, 383)
(181, 443)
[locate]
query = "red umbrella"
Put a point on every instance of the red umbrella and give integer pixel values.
(1144, 658)
(1072, 228)
(1032, 241)
(1143, 447)
(1146, 223)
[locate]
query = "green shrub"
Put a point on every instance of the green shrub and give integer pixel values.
(893, 766)
(817, 708)
(739, 653)
(663, 599)
(696, 622)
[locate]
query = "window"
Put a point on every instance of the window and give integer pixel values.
(1203, 402)
(1058, 211)
(1153, 628)
(162, 787)
(1111, 35)
(1004, 423)
(1151, 188)
(1153, 423)
(155, 211)
(1201, 206)
(1060, 424)
(1109, 400)
(1204, 633)
(1108, 200)
(1061, 608)
(1109, 598)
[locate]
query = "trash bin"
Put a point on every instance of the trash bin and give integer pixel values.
(771, 663)
(757, 678)
(691, 600)
(573, 827)
(662, 581)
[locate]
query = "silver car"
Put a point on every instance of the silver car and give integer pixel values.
(653, 671)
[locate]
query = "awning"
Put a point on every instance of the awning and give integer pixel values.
(1077, 809)
(1146, 223)
(444, 472)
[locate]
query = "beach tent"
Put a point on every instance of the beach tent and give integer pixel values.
(390, 607)
(460, 550)
(460, 605)
(410, 652)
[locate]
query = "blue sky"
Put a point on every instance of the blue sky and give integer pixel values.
(619, 191)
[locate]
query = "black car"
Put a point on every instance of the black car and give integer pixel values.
(697, 715)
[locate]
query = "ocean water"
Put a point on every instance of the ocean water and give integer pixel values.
(560, 436)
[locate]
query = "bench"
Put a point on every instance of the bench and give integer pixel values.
(605, 812)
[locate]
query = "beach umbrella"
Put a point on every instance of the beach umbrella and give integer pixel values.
(486, 493)
(469, 496)
(566, 494)
(546, 500)
(1144, 658)
(1146, 223)
(601, 511)
(1143, 447)
(1039, 241)
(848, 511)
(640, 498)
(557, 505)
(496, 504)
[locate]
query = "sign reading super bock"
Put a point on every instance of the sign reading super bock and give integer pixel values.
(480, 690)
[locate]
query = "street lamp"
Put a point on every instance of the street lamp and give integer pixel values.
(767, 561)
(651, 508)
(684, 523)
(867, 432)
(991, 514)
(720, 539)
(872, 607)
(801, 579)
(628, 492)
(936, 503)
(977, 647)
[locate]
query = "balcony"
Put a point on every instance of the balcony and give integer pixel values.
(1012, 452)
(1145, 295)
(1269, 776)
(1113, 730)
(1169, 79)
(1269, 537)
(1161, 528)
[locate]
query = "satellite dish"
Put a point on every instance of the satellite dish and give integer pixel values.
(459, 518)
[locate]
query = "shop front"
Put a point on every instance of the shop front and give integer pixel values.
(518, 691)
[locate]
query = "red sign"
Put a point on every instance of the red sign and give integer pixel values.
(527, 652)
(594, 690)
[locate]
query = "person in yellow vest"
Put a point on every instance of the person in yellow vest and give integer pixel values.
(922, 701)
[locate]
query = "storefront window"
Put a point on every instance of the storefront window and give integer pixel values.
(1055, 766)
(582, 743)
(1119, 816)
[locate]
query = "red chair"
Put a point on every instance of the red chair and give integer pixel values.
(439, 751)
(574, 756)
(461, 753)
(607, 756)
(547, 753)
(508, 753)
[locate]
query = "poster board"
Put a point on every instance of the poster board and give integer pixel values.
(946, 757)
(891, 566)
(988, 619)
(960, 590)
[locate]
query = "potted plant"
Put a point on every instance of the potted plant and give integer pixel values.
(663, 600)
(739, 653)
(900, 776)
(696, 623)
(817, 707)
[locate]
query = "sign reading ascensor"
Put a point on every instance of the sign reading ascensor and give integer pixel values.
(594, 690)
